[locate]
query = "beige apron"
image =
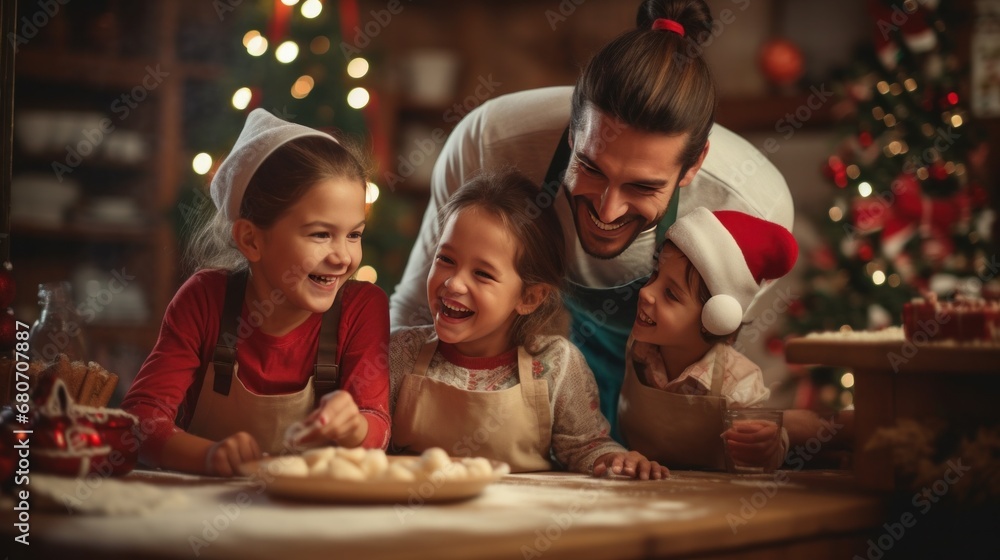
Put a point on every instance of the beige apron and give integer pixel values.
(679, 431)
(265, 417)
(224, 408)
(511, 425)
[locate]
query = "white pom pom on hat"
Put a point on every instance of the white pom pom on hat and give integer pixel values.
(262, 134)
(734, 253)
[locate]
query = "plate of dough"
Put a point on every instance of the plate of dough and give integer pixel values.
(356, 475)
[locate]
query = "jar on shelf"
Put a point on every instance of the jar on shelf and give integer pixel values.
(59, 328)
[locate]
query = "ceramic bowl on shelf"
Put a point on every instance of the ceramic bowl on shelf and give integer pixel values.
(42, 199)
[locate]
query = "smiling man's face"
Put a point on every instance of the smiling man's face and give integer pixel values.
(620, 181)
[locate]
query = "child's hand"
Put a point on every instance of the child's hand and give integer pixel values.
(632, 463)
(754, 443)
(336, 419)
(225, 457)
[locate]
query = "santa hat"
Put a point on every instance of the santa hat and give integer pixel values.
(734, 253)
(262, 134)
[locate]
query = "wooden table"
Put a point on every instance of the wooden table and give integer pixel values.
(814, 514)
(897, 379)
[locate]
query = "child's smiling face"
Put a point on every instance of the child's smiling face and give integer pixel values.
(669, 311)
(310, 251)
(473, 287)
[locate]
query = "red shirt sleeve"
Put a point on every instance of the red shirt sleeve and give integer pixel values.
(364, 357)
(169, 371)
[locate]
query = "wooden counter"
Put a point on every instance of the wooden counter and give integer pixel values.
(815, 514)
(956, 384)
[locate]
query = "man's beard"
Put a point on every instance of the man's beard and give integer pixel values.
(607, 255)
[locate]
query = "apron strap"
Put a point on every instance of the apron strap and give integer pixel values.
(224, 357)
(557, 166)
(525, 375)
(424, 357)
(326, 372)
(669, 217)
(718, 370)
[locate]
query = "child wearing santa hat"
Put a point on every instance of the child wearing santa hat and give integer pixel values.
(681, 371)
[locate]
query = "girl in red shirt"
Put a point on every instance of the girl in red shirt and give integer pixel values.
(270, 334)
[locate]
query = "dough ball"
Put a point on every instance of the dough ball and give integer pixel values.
(434, 459)
(478, 467)
(342, 469)
(291, 466)
(455, 471)
(323, 454)
(375, 463)
(352, 454)
(399, 472)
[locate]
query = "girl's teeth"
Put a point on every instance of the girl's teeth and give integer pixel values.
(455, 312)
(325, 280)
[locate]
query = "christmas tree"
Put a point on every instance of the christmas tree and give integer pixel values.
(297, 60)
(910, 215)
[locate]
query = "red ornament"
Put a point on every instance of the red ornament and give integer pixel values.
(6, 288)
(8, 331)
(796, 308)
(775, 345)
(865, 252)
(781, 61)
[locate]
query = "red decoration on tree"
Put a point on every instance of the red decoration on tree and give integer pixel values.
(8, 331)
(865, 252)
(775, 345)
(908, 19)
(277, 27)
(6, 288)
(781, 61)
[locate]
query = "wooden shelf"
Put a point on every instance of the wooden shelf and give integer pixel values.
(86, 232)
(101, 71)
(776, 113)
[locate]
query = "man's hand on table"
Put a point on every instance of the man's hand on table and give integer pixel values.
(632, 464)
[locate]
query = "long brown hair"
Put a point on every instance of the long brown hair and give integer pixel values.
(655, 80)
(541, 254)
(278, 183)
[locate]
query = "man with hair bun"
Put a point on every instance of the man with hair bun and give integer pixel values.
(610, 154)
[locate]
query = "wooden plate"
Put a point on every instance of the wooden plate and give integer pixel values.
(327, 489)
